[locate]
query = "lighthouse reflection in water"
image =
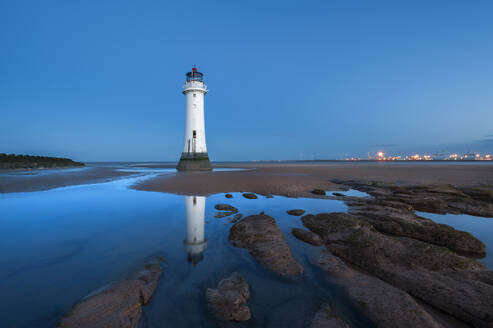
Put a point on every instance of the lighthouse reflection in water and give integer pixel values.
(195, 242)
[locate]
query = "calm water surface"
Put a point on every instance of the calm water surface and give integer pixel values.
(57, 246)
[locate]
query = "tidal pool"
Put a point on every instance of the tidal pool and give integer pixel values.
(350, 192)
(57, 246)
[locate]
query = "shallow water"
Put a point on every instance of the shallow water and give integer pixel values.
(479, 227)
(57, 246)
(350, 192)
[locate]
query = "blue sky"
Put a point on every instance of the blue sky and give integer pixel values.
(101, 80)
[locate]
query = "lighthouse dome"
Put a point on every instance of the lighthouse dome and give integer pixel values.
(195, 75)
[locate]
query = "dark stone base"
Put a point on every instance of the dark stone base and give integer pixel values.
(194, 162)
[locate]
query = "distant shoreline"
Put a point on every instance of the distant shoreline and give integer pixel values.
(279, 178)
(20, 162)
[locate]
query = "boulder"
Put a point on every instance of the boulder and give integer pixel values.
(118, 305)
(265, 242)
(307, 236)
(228, 301)
(296, 212)
(228, 196)
(320, 192)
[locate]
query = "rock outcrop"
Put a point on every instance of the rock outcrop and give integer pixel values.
(384, 304)
(119, 305)
(326, 318)
(228, 301)
(265, 242)
(431, 273)
(307, 236)
(399, 219)
(430, 198)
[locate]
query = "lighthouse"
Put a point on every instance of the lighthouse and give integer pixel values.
(194, 156)
(195, 242)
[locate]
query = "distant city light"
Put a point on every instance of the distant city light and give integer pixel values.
(380, 156)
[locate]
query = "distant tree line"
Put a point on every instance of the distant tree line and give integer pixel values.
(12, 161)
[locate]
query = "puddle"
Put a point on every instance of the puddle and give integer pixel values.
(479, 227)
(59, 245)
(350, 192)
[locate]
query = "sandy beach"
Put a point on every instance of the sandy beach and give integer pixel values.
(288, 179)
(297, 180)
(36, 180)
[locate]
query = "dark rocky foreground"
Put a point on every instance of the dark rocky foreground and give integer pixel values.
(326, 318)
(440, 199)
(397, 268)
(382, 303)
(265, 242)
(228, 301)
(119, 305)
(392, 211)
(403, 269)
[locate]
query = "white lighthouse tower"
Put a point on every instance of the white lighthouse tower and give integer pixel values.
(194, 156)
(195, 242)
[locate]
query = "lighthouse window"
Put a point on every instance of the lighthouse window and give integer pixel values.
(194, 95)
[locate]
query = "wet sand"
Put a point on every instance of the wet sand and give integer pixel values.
(297, 180)
(288, 179)
(36, 180)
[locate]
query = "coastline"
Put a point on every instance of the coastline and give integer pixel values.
(297, 180)
(287, 179)
(13, 181)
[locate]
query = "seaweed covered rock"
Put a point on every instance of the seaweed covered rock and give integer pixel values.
(265, 242)
(326, 318)
(307, 236)
(119, 305)
(431, 273)
(348, 234)
(431, 198)
(228, 301)
(399, 219)
(385, 305)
